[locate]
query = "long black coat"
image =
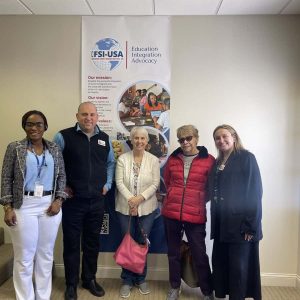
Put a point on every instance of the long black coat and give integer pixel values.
(240, 193)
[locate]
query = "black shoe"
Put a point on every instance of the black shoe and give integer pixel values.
(70, 293)
(94, 288)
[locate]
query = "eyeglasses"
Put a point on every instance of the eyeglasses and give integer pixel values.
(187, 138)
(36, 124)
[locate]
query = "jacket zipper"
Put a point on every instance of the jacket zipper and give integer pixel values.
(184, 184)
(90, 165)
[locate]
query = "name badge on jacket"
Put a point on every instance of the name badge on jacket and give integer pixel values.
(101, 143)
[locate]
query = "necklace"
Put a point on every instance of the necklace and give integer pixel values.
(138, 159)
(222, 165)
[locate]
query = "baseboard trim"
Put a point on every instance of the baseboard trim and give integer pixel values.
(279, 279)
(298, 281)
(267, 279)
(115, 271)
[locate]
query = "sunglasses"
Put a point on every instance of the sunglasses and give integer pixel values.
(187, 138)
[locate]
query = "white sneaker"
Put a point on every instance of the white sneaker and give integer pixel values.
(143, 288)
(125, 290)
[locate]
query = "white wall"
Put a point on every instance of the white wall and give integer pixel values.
(297, 175)
(238, 70)
(245, 71)
(39, 69)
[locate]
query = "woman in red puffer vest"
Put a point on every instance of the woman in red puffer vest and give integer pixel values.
(184, 208)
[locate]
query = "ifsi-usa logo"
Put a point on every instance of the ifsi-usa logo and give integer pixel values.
(107, 54)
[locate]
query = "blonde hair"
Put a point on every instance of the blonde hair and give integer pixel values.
(237, 146)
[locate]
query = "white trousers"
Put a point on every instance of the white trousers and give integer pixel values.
(33, 241)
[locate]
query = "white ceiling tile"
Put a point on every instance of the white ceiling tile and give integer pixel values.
(121, 7)
(58, 7)
(13, 7)
(250, 7)
(148, 7)
(292, 8)
(186, 7)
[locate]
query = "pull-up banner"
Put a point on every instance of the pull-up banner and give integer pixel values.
(126, 74)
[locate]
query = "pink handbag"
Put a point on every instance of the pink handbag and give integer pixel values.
(130, 255)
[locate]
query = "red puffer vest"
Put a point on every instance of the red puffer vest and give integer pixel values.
(187, 202)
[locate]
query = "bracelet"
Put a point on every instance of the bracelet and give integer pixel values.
(7, 207)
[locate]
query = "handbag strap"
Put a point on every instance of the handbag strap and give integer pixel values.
(146, 241)
(129, 222)
(144, 235)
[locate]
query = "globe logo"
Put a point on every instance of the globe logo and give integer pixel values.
(107, 54)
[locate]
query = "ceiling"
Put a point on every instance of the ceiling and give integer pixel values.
(149, 7)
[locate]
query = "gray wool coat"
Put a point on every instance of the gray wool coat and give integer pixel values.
(14, 169)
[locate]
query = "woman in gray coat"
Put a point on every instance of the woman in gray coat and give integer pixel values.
(32, 191)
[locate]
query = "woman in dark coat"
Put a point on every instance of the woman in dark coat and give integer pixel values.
(235, 194)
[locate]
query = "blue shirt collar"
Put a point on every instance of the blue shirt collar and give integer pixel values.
(96, 130)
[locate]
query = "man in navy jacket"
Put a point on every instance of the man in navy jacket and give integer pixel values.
(89, 162)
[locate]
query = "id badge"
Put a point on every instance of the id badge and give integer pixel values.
(38, 190)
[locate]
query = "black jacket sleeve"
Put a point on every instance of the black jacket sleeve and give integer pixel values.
(253, 187)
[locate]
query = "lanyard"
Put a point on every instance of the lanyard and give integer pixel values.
(39, 166)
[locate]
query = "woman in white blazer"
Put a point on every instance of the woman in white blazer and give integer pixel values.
(137, 180)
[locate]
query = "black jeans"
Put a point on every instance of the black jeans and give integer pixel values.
(81, 223)
(195, 234)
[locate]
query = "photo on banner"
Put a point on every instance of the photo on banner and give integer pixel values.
(126, 73)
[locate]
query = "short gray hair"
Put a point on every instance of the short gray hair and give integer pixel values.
(138, 129)
(186, 130)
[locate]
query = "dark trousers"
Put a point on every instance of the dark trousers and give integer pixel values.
(236, 270)
(146, 222)
(195, 234)
(81, 223)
